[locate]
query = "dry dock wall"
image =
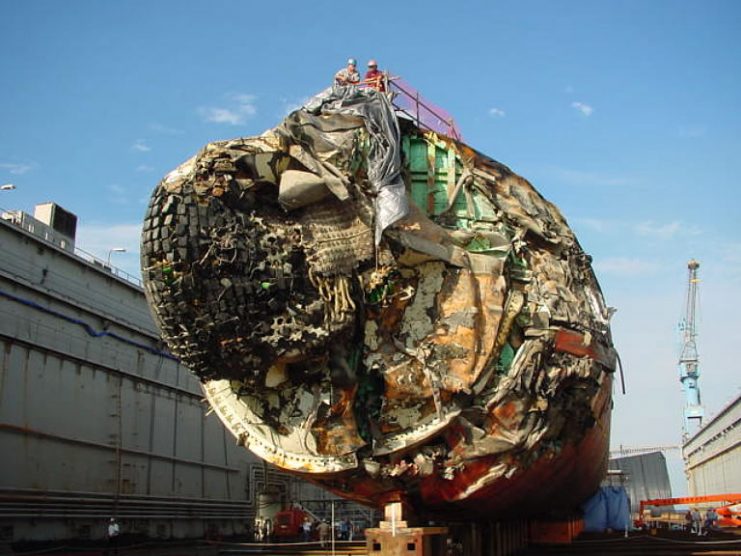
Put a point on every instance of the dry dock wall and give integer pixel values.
(97, 420)
(713, 454)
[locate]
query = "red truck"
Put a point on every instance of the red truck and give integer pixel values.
(288, 524)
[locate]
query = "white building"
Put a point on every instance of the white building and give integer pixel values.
(713, 455)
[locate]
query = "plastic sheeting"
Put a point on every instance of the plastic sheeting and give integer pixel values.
(384, 157)
(607, 509)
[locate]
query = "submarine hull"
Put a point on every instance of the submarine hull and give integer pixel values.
(387, 312)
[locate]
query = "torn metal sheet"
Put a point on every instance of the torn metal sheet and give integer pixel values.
(459, 346)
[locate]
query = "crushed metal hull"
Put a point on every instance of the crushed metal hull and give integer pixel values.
(387, 312)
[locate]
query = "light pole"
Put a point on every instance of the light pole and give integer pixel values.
(7, 187)
(115, 250)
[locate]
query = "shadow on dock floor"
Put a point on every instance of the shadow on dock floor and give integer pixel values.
(664, 543)
(199, 548)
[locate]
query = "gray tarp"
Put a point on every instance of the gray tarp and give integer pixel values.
(384, 157)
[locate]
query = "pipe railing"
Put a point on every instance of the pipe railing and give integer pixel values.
(409, 102)
(46, 233)
(425, 115)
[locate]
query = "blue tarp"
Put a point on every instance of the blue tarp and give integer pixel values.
(607, 509)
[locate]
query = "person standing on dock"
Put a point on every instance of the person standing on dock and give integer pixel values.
(323, 532)
(306, 529)
(345, 529)
(696, 522)
(267, 530)
(711, 517)
(113, 534)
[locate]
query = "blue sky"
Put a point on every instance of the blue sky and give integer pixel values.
(623, 113)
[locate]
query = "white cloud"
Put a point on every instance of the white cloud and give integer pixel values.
(624, 266)
(649, 229)
(221, 116)
(141, 146)
(118, 194)
(291, 106)
(661, 231)
(245, 100)
(582, 107)
(729, 255)
(496, 112)
(240, 108)
(16, 169)
(160, 128)
(144, 168)
(597, 224)
(665, 231)
(579, 177)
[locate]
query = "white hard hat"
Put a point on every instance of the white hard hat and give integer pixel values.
(372, 63)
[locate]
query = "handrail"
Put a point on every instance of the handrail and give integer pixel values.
(135, 280)
(732, 498)
(425, 114)
(46, 233)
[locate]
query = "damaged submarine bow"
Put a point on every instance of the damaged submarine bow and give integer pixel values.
(385, 311)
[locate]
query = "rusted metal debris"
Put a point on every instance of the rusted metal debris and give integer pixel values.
(467, 349)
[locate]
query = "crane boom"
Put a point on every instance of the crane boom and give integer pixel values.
(689, 368)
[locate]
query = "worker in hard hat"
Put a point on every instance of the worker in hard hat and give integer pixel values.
(374, 77)
(348, 75)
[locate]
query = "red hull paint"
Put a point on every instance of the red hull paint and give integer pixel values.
(551, 486)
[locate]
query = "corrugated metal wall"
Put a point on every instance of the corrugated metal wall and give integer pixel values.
(95, 420)
(647, 477)
(713, 455)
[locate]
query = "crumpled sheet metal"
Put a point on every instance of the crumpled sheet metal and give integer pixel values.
(461, 347)
(384, 156)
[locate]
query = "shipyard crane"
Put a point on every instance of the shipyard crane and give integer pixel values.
(689, 369)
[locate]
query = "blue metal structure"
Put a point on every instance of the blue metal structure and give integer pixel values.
(689, 368)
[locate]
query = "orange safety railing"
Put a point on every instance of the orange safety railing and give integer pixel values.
(407, 101)
(425, 115)
(379, 83)
(733, 498)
